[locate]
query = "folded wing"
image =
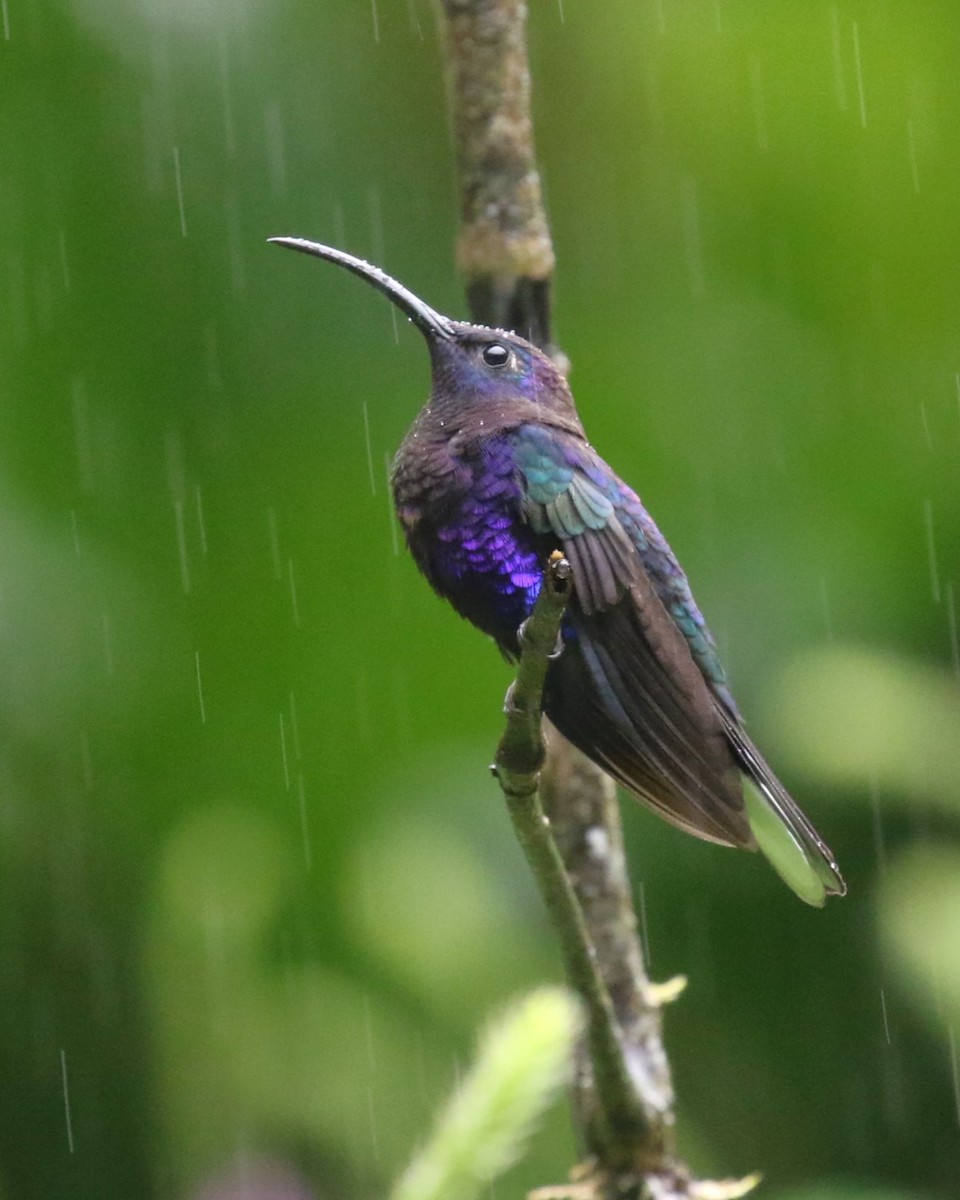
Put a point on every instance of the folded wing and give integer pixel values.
(639, 687)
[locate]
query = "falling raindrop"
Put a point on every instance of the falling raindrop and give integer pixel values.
(203, 707)
(924, 421)
(414, 19)
(66, 1099)
(644, 932)
(366, 435)
(886, 1022)
(179, 183)
(858, 68)
(6, 20)
(912, 151)
(376, 21)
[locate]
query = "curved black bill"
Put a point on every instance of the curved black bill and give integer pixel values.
(426, 319)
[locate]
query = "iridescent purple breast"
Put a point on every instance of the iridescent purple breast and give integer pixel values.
(468, 536)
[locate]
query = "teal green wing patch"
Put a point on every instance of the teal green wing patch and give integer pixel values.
(562, 499)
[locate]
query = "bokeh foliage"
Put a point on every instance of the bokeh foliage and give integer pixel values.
(256, 889)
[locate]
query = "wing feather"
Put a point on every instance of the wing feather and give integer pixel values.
(611, 694)
(639, 687)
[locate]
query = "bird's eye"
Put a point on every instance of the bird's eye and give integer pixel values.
(496, 355)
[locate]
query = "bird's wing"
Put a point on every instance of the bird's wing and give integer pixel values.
(610, 538)
(565, 494)
(629, 689)
(639, 687)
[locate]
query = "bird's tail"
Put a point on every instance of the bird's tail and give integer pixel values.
(793, 847)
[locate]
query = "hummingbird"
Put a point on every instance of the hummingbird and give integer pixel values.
(495, 474)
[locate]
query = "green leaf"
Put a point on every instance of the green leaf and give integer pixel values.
(522, 1063)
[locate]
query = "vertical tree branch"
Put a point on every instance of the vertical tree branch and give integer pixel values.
(623, 1093)
(505, 253)
(585, 818)
(504, 249)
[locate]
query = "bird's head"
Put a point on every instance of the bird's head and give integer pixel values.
(473, 367)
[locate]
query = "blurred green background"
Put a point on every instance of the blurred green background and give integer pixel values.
(257, 889)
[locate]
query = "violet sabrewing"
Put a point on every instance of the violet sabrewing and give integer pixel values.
(494, 475)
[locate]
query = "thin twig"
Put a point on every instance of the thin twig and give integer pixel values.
(518, 762)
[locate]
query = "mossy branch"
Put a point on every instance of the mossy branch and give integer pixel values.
(520, 756)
